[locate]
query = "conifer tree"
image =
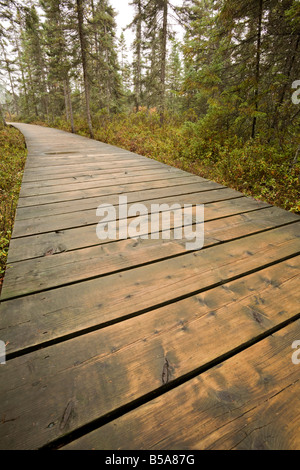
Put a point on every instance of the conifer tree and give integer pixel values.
(125, 68)
(83, 48)
(137, 26)
(174, 78)
(59, 53)
(35, 63)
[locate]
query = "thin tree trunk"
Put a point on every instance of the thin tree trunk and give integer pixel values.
(97, 48)
(2, 115)
(163, 61)
(137, 86)
(17, 28)
(10, 79)
(70, 106)
(257, 75)
(31, 92)
(84, 65)
(66, 101)
(107, 84)
(22, 72)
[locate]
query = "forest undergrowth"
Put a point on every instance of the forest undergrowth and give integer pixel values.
(256, 168)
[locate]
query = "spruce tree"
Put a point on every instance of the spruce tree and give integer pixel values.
(83, 48)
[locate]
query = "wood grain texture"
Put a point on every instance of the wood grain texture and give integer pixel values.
(88, 182)
(249, 402)
(65, 267)
(83, 172)
(64, 215)
(139, 343)
(91, 203)
(104, 370)
(68, 239)
(58, 312)
(120, 188)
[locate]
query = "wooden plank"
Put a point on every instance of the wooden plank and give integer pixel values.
(249, 402)
(90, 167)
(127, 360)
(104, 326)
(69, 184)
(64, 215)
(90, 163)
(43, 164)
(103, 190)
(42, 317)
(84, 173)
(55, 242)
(39, 162)
(68, 152)
(52, 271)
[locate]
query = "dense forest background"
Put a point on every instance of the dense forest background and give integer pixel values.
(222, 101)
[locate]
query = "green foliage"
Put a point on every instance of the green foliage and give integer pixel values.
(253, 167)
(13, 156)
(217, 104)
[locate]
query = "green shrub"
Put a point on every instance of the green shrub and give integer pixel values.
(13, 156)
(254, 167)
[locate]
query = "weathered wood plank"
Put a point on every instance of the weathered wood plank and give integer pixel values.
(71, 184)
(65, 215)
(55, 242)
(48, 165)
(120, 188)
(95, 325)
(52, 167)
(44, 316)
(126, 360)
(39, 162)
(89, 167)
(87, 174)
(81, 204)
(249, 402)
(53, 271)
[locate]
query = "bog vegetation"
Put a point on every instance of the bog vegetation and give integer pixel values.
(13, 156)
(219, 99)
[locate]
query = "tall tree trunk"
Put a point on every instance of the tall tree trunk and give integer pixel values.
(107, 84)
(23, 81)
(66, 101)
(163, 60)
(32, 94)
(257, 74)
(97, 46)
(70, 106)
(10, 79)
(84, 65)
(137, 85)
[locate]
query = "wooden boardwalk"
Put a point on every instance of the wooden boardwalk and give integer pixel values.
(140, 344)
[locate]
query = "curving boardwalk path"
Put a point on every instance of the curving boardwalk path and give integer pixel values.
(138, 343)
